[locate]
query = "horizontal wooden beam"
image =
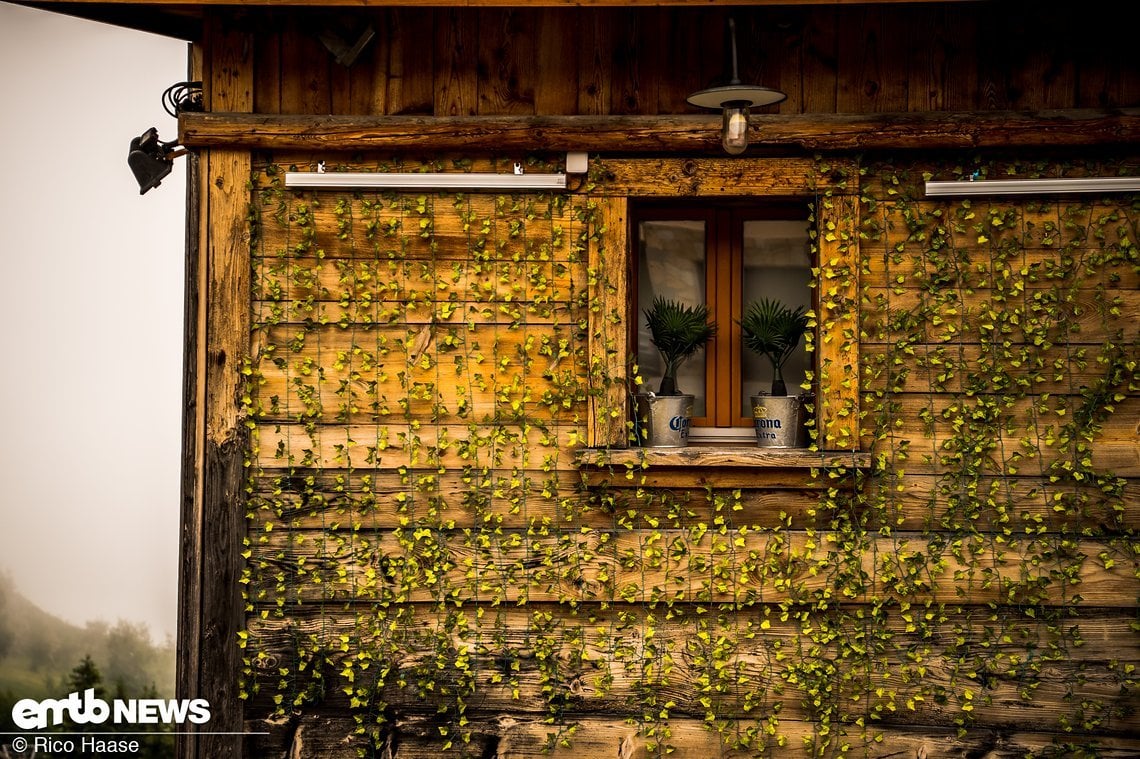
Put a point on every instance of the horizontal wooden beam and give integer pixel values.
(477, 3)
(760, 458)
(332, 734)
(661, 134)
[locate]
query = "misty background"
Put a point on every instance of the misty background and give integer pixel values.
(91, 303)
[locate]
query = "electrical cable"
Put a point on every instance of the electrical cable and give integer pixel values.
(183, 96)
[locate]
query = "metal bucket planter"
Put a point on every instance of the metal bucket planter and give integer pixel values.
(779, 421)
(663, 420)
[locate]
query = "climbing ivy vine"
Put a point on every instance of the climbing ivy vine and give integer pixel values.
(425, 555)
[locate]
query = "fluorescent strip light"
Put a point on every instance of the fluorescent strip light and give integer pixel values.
(1033, 186)
(425, 181)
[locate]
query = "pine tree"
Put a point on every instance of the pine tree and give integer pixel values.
(86, 676)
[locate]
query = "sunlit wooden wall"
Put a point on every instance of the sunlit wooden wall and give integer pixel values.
(956, 57)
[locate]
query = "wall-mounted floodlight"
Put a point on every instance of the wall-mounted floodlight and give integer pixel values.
(151, 160)
(345, 180)
(1032, 186)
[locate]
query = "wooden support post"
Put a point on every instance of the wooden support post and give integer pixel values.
(211, 609)
(188, 665)
(609, 302)
(837, 341)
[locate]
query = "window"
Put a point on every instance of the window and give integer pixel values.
(628, 190)
(724, 256)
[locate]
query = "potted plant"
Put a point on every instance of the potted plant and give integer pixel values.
(677, 331)
(774, 330)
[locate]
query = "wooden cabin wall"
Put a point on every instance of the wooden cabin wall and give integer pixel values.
(428, 569)
(848, 58)
(425, 566)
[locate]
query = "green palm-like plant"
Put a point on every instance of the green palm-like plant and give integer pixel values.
(772, 329)
(678, 331)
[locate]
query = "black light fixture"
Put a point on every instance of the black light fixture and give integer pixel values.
(151, 160)
(734, 99)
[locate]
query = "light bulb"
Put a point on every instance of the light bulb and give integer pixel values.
(734, 132)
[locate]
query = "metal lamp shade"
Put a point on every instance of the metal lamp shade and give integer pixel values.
(735, 99)
(746, 95)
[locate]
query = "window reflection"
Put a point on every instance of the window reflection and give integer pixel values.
(777, 264)
(671, 264)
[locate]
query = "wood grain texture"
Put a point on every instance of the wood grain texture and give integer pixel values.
(556, 77)
(480, 3)
(744, 566)
(382, 500)
(828, 56)
(267, 72)
(712, 178)
(516, 736)
(1028, 436)
(618, 61)
(710, 456)
(595, 69)
(328, 735)
(837, 346)
(637, 51)
(408, 444)
(696, 135)
(819, 74)
(507, 51)
(188, 662)
(225, 291)
(756, 660)
(306, 83)
(1079, 320)
(410, 87)
(457, 43)
(458, 281)
(962, 368)
(606, 324)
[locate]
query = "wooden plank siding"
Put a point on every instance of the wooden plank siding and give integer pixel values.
(366, 460)
(861, 58)
(428, 558)
(594, 694)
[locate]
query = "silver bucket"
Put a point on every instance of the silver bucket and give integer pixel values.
(663, 420)
(779, 421)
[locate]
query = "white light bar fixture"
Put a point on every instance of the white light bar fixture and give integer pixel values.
(345, 180)
(1032, 186)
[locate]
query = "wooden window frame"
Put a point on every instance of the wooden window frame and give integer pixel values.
(612, 253)
(724, 230)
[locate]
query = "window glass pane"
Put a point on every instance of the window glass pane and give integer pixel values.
(671, 264)
(777, 264)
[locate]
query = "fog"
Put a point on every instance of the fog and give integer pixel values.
(91, 314)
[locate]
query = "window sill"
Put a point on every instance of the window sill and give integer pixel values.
(736, 457)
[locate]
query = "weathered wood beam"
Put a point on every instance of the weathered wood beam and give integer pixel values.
(476, 3)
(329, 734)
(212, 611)
(641, 134)
(609, 290)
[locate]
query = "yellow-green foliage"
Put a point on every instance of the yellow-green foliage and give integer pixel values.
(419, 537)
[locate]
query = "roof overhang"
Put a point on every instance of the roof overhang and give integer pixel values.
(170, 19)
(183, 20)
